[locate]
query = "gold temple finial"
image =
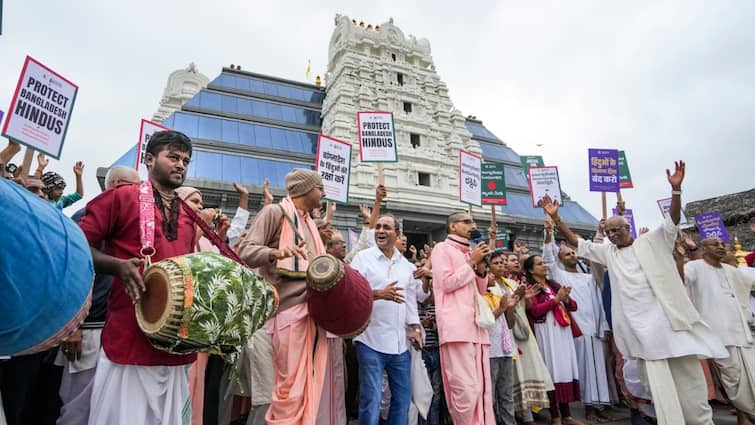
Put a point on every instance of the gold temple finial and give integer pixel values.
(739, 254)
(377, 27)
(361, 24)
(369, 26)
(318, 81)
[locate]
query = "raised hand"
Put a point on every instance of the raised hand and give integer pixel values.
(42, 161)
(621, 207)
(550, 207)
(643, 230)
(78, 168)
(548, 224)
(563, 294)
(688, 242)
(240, 189)
(675, 180)
(267, 196)
(380, 192)
(366, 212)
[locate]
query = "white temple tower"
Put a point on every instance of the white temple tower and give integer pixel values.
(381, 69)
(183, 84)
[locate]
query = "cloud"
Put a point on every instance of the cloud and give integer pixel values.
(663, 81)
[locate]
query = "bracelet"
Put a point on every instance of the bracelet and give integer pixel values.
(676, 192)
(557, 220)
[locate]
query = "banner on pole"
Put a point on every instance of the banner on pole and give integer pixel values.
(711, 225)
(544, 181)
(493, 184)
(40, 110)
(333, 162)
(470, 187)
(625, 179)
(630, 219)
(604, 170)
(530, 161)
(146, 130)
(377, 137)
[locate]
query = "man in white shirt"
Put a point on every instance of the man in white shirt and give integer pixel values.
(721, 295)
(384, 345)
(653, 319)
(591, 359)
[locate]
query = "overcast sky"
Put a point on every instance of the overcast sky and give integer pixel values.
(661, 80)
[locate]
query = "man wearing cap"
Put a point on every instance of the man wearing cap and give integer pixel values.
(282, 240)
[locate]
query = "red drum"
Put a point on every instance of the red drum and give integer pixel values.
(338, 297)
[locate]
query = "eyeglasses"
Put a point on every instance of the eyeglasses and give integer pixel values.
(465, 221)
(614, 230)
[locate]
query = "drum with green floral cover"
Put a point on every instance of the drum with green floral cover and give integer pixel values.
(203, 302)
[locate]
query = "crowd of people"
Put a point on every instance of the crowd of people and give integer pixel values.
(660, 323)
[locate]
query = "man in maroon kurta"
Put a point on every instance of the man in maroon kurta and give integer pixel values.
(136, 383)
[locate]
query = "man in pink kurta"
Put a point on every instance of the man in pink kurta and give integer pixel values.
(458, 276)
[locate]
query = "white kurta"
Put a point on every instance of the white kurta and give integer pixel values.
(640, 325)
(593, 378)
(712, 295)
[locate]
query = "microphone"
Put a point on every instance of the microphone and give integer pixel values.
(475, 237)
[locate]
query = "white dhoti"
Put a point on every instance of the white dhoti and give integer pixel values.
(78, 379)
(738, 377)
(593, 379)
(139, 395)
(678, 389)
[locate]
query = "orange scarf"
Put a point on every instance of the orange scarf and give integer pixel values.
(294, 267)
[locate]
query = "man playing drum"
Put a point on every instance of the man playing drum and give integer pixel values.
(134, 382)
(282, 239)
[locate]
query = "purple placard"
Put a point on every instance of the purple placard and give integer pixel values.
(603, 166)
(711, 225)
(630, 218)
(1, 116)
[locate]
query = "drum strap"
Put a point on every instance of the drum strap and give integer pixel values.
(147, 222)
(147, 226)
(211, 235)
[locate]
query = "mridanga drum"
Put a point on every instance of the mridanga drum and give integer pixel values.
(46, 273)
(339, 299)
(203, 302)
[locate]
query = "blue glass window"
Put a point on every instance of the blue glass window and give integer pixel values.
(230, 131)
(210, 101)
(208, 165)
(169, 121)
(498, 152)
(231, 168)
(478, 130)
(514, 176)
(186, 124)
(250, 170)
(230, 104)
(209, 128)
(253, 85)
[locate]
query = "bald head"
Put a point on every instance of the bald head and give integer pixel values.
(618, 232)
(119, 175)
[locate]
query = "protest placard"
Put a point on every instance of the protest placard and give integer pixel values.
(470, 187)
(625, 179)
(603, 165)
(146, 130)
(333, 162)
(530, 161)
(711, 225)
(493, 184)
(665, 205)
(630, 219)
(1, 115)
(544, 181)
(40, 109)
(377, 138)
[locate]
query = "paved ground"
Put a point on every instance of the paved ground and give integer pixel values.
(721, 415)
